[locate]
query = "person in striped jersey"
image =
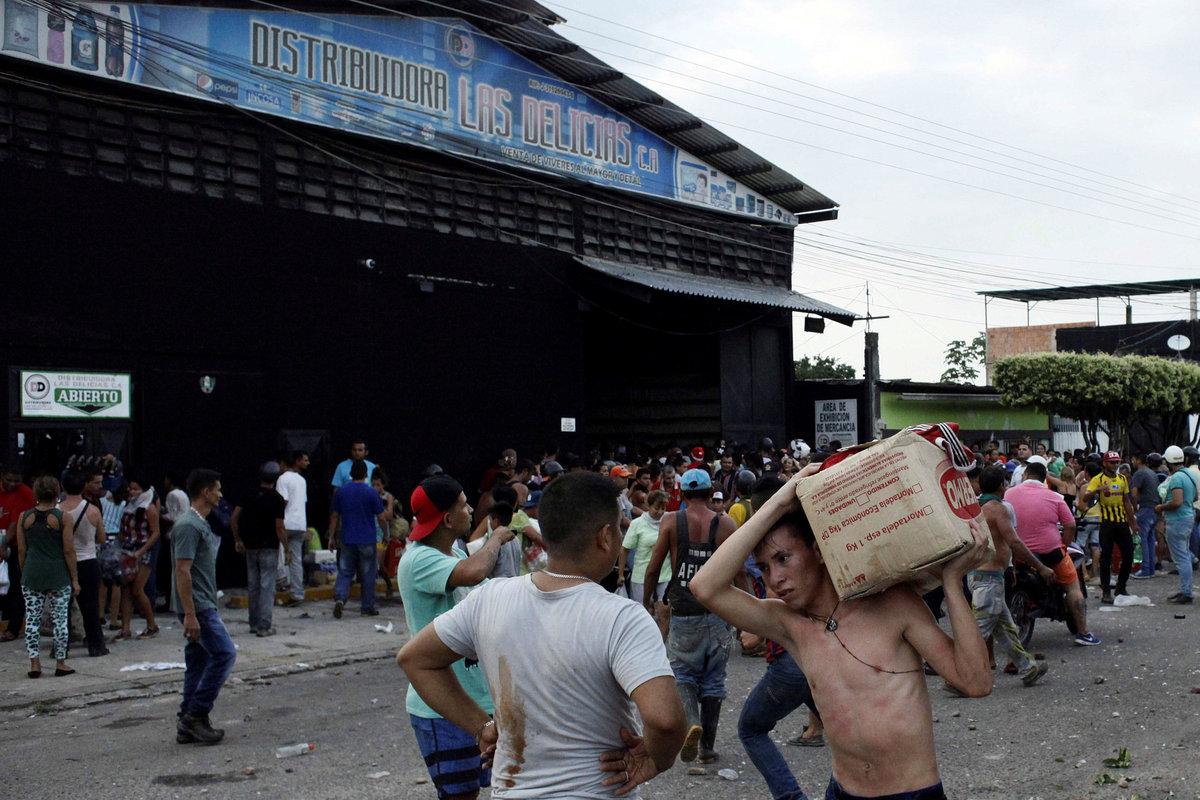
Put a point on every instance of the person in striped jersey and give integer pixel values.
(1117, 520)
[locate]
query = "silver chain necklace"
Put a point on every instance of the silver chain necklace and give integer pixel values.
(559, 575)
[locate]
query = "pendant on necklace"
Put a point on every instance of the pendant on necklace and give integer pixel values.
(831, 625)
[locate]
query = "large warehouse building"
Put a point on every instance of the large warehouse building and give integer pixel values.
(441, 227)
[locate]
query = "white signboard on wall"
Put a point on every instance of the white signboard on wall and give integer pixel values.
(73, 395)
(837, 420)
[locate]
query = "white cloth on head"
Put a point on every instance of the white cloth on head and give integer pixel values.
(177, 504)
(143, 500)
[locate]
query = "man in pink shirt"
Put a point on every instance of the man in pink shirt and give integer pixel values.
(1040, 510)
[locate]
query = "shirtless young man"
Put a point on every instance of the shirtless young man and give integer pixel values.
(862, 657)
(986, 582)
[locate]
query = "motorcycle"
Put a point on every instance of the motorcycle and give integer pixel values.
(1030, 597)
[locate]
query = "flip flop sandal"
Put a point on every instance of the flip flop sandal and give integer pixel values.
(8, 636)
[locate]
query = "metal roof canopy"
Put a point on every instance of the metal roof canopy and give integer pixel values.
(1095, 290)
(717, 288)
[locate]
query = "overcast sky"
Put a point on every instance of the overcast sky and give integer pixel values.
(1100, 98)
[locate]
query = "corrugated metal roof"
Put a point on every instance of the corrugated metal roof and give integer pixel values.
(717, 289)
(1096, 290)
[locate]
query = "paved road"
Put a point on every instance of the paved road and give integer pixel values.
(1044, 742)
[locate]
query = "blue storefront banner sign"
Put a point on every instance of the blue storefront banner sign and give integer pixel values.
(430, 82)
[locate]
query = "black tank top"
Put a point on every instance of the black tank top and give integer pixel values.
(690, 557)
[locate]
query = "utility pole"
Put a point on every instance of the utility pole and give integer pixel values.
(871, 373)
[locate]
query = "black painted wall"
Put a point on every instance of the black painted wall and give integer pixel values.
(1144, 338)
(274, 305)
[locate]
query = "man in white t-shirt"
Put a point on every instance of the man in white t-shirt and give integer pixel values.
(1024, 452)
(566, 713)
(293, 488)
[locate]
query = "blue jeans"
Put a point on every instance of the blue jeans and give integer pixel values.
(209, 662)
(780, 692)
(358, 558)
(1147, 522)
(261, 563)
(698, 648)
(1179, 535)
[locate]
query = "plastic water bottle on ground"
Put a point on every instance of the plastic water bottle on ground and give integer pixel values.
(287, 751)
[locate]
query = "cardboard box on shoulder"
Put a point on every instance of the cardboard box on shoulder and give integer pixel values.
(888, 512)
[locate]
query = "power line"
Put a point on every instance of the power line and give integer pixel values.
(952, 181)
(871, 104)
(567, 57)
(955, 266)
(928, 154)
(1089, 262)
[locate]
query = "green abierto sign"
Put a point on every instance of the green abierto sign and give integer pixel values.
(68, 395)
(89, 401)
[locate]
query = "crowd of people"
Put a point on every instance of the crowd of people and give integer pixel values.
(716, 550)
(1136, 512)
(655, 566)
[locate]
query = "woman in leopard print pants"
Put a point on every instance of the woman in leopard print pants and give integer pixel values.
(46, 548)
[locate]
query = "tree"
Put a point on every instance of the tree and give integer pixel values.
(822, 367)
(1103, 392)
(963, 360)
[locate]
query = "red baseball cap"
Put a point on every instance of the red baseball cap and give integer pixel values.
(697, 453)
(1112, 455)
(430, 502)
(618, 472)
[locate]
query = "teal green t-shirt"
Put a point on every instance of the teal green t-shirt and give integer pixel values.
(1181, 480)
(192, 538)
(422, 576)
